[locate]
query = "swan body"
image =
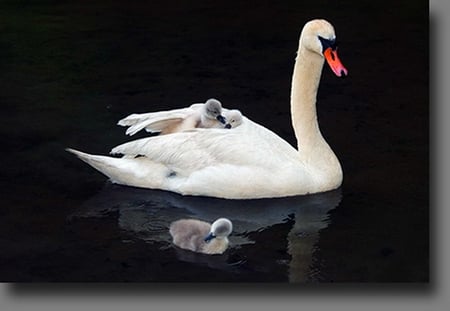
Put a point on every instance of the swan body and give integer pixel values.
(202, 237)
(249, 161)
(207, 115)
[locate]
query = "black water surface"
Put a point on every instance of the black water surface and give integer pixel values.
(70, 70)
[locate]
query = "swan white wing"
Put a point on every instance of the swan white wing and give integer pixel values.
(163, 121)
(247, 145)
(156, 124)
(137, 122)
(135, 118)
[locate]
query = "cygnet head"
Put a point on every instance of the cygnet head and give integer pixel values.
(220, 229)
(234, 118)
(213, 110)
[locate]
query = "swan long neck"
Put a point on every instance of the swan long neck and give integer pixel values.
(305, 83)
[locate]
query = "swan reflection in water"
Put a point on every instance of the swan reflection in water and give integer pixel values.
(266, 232)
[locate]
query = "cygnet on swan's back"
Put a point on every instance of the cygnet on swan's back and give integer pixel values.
(207, 115)
(233, 118)
(199, 236)
(211, 114)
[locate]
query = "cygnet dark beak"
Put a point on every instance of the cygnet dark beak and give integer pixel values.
(221, 119)
(209, 237)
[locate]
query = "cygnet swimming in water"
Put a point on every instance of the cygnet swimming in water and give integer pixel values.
(207, 115)
(199, 236)
(233, 118)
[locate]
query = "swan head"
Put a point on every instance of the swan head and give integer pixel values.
(220, 229)
(318, 36)
(234, 118)
(213, 110)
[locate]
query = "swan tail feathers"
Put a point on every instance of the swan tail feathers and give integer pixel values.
(104, 164)
(129, 170)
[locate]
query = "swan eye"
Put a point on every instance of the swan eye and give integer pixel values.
(328, 43)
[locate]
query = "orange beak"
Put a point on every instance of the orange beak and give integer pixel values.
(334, 62)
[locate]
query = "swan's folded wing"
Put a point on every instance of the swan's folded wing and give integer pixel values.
(136, 118)
(177, 150)
(248, 144)
(156, 121)
(156, 124)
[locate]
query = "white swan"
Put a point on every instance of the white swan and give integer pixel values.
(249, 161)
(207, 115)
(200, 236)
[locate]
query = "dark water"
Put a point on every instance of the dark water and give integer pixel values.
(69, 71)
